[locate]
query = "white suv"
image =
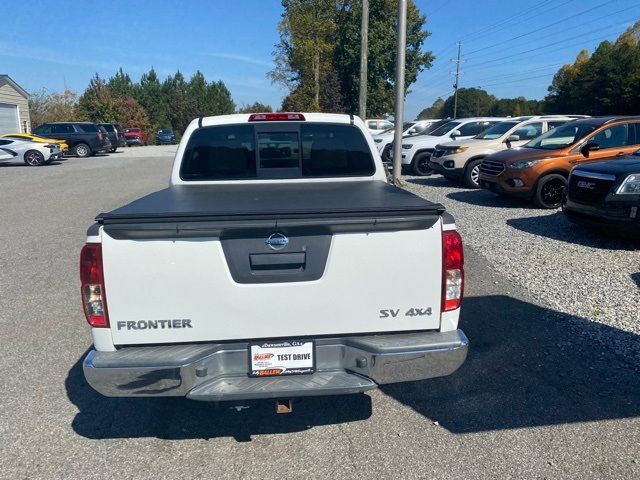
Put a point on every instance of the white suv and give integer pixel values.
(461, 160)
(417, 150)
(378, 125)
(383, 140)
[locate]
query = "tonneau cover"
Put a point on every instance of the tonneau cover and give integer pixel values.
(262, 201)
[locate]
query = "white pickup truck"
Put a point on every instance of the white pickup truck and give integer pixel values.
(279, 263)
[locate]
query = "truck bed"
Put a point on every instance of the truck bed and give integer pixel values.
(196, 210)
(271, 201)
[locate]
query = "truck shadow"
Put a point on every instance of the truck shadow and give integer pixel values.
(433, 181)
(168, 418)
(529, 366)
(557, 227)
(484, 198)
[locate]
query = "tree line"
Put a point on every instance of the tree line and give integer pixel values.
(317, 58)
(149, 104)
(605, 83)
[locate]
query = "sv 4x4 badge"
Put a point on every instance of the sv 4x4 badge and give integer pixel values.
(412, 312)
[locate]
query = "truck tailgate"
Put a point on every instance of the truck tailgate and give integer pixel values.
(191, 264)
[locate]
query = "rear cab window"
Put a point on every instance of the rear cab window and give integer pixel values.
(276, 151)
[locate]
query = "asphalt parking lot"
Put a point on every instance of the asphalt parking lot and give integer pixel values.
(547, 391)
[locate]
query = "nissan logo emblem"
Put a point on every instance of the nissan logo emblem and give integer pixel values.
(276, 241)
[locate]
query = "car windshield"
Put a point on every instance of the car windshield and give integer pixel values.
(405, 126)
(433, 126)
(561, 137)
(496, 131)
(132, 130)
(166, 131)
(444, 129)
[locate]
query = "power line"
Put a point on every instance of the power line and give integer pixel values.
(480, 32)
(562, 46)
(545, 52)
(507, 23)
(544, 27)
(509, 75)
(516, 81)
(582, 25)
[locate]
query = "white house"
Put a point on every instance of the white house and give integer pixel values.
(14, 107)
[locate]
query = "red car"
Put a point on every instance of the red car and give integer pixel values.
(135, 136)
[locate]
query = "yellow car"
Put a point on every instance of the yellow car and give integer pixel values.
(34, 138)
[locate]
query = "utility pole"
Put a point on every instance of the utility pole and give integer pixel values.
(455, 86)
(399, 113)
(364, 47)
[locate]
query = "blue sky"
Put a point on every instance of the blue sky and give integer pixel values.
(509, 48)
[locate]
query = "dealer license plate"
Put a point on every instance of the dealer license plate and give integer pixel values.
(281, 357)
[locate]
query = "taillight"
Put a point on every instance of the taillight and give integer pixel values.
(452, 270)
(275, 117)
(94, 300)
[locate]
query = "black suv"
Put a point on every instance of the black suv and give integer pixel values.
(116, 135)
(606, 195)
(84, 138)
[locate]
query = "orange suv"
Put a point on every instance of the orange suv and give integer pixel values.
(539, 170)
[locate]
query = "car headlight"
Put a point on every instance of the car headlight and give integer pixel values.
(377, 140)
(630, 186)
(407, 146)
(523, 165)
(453, 151)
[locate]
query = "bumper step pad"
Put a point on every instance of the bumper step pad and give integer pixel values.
(246, 388)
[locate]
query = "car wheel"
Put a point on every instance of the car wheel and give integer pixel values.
(82, 150)
(113, 150)
(420, 165)
(34, 158)
(472, 174)
(550, 191)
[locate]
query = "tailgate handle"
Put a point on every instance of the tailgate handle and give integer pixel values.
(274, 262)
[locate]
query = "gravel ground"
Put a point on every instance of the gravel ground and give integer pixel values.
(533, 399)
(567, 267)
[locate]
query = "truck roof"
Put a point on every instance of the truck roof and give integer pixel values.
(308, 117)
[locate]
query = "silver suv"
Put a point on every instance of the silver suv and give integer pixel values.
(461, 159)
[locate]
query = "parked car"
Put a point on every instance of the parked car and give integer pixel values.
(461, 159)
(383, 140)
(165, 137)
(29, 137)
(539, 170)
(84, 138)
(135, 136)
(277, 213)
(116, 135)
(33, 154)
(416, 151)
(606, 195)
(378, 125)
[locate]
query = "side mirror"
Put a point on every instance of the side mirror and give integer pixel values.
(455, 133)
(589, 147)
(513, 138)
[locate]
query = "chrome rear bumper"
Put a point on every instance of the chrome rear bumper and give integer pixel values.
(217, 372)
